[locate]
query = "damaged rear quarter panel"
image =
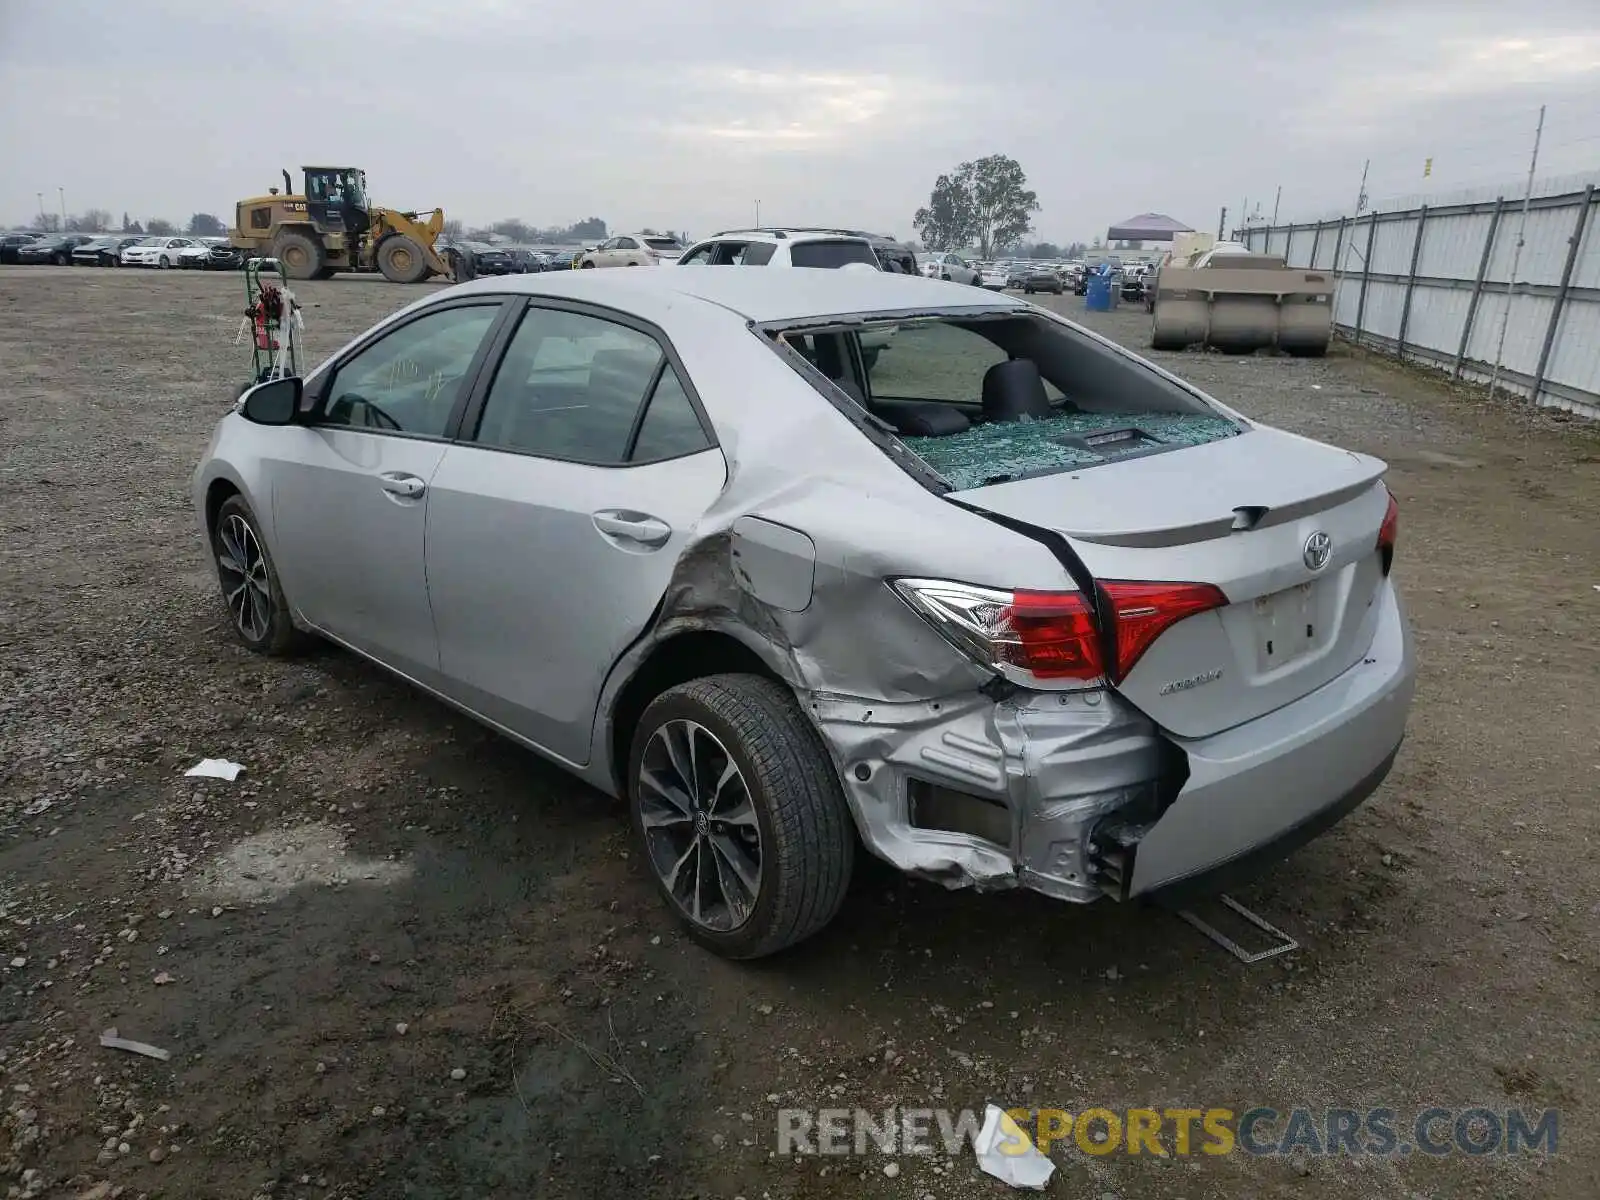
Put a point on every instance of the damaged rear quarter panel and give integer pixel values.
(808, 497)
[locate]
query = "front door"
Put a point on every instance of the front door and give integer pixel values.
(554, 532)
(351, 496)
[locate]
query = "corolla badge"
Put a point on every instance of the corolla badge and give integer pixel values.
(1318, 549)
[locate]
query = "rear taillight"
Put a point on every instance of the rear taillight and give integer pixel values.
(1142, 612)
(1051, 637)
(1388, 532)
(1024, 635)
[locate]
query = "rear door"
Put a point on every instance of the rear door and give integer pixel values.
(553, 529)
(1285, 527)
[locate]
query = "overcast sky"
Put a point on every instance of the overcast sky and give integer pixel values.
(683, 114)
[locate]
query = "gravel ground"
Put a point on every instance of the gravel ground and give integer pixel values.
(401, 957)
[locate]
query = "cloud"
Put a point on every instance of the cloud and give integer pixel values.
(829, 111)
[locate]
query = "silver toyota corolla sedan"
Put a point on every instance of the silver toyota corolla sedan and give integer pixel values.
(1009, 606)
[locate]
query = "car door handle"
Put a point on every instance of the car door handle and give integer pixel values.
(398, 483)
(633, 527)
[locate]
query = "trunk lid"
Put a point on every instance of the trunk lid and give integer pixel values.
(1242, 513)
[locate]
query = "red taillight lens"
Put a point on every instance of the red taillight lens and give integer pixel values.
(1056, 637)
(1142, 612)
(1388, 532)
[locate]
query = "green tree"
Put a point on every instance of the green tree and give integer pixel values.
(985, 201)
(1044, 250)
(206, 225)
(156, 227)
(591, 227)
(946, 223)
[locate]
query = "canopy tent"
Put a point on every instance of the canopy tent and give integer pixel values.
(1146, 227)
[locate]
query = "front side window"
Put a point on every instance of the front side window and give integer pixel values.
(570, 387)
(699, 256)
(410, 380)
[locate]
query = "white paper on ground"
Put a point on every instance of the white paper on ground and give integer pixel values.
(1007, 1153)
(215, 768)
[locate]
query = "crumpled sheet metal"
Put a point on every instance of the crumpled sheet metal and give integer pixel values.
(1059, 762)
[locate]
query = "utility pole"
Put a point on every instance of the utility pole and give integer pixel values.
(1222, 222)
(41, 208)
(758, 214)
(1361, 207)
(63, 192)
(1516, 259)
(1275, 204)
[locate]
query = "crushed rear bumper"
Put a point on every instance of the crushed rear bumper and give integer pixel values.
(1079, 795)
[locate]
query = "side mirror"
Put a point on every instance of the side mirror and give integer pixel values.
(276, 402)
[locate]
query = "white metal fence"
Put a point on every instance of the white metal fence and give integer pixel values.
(1433, 284)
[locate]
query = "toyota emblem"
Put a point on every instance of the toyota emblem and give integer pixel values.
(1319, 548)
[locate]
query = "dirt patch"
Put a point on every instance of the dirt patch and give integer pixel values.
(269, 865)
(560, 1038)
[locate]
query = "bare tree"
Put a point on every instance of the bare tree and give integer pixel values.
(48, 222)
(94, 220)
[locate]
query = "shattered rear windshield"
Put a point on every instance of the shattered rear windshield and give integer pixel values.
(998, 453)
(990, 397)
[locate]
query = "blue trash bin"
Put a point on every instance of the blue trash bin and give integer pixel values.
(1099, 295)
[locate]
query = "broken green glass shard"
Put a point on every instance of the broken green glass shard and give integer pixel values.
(994, 453)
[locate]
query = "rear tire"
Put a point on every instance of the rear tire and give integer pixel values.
(587, 264)
(790, 832)
(302, 257)
(402, 260)
(250, 588)
(63, 261)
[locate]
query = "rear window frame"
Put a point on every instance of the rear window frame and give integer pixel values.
(883, 435)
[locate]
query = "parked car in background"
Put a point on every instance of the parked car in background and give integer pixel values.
(787, 246)
(894, 257)
(525, 261)
(10, 243)
(1042, 277)
(491, 259)
(944, 265)
(104, 251)
(226, 257)
(561, 259)
(1036, 660)
(632, 250)
(53, 248)
(793, 247)
(993, 276)
(195, 257)
(156, 252)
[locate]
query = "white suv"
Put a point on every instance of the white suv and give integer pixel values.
(792, 247)
(781, 248)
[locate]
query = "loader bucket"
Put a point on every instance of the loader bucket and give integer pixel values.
(1243, 303)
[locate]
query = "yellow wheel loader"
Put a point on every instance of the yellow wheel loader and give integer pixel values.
(330, 226)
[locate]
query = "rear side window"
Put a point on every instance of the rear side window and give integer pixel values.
(657, 243)
(757, 254)
(671, 428)
(570, 387)
(831, 253)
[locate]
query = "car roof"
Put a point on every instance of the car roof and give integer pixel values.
(792, 233)
(756, 295)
